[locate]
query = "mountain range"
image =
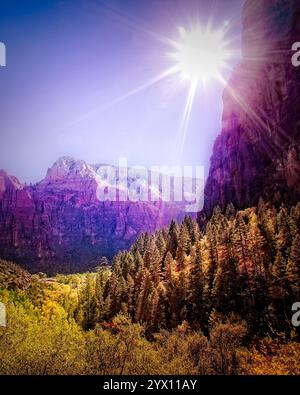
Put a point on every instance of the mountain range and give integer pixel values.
(65, 222)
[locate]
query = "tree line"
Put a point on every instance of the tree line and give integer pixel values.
(242, 263)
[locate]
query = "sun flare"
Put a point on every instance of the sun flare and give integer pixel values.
(200, 55)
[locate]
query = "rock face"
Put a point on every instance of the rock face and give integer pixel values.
(60, 225)
(257, 153)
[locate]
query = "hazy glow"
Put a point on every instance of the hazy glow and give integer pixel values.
(200, 55)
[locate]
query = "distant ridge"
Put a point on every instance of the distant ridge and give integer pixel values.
(59, 224)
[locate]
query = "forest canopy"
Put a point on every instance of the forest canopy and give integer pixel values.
(184, 300)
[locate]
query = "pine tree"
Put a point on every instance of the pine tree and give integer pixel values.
(196, 286)
(211, 258)
(230, 212)
(130, 294)
(178, 299)
(167, 267)
(267, 219)
(293, 268)
(173, 238)
(152, 261)
(142, 303)
(168, 285)
(216, 218)
(139, 245)
(292, 221)
(256, 244)
(243, 256)
(240, 241)
(193, 230)
(162, 305)
(99, 292)
(212, 243)
(127, 263)
(138, 263)
(183, 246)
(278, 277)
(117, 288)
(184, 238)
(278, 293)
(153, 318)
(161, 243)
(88, 303)
(225, 286)
(283, 239)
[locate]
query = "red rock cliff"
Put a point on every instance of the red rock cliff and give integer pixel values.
(257, 153)
(59, 224)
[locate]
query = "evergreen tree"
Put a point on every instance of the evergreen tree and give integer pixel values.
(173, 238)
(152, 261)
(142, 303)
(230, 212)
(278, 278)
(153, 318)
(117, 288)
(293, 268)
(196, 286)
(161, 243)
(243, 256)
(138, 263)
(88, 304)
(99, 293)
(167, 267)
(226, 284)
(283, 238)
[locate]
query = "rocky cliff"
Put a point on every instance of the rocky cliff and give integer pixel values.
(257, 153)
(62, 225)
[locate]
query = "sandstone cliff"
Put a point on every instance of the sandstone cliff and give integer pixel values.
(59, 224)
(257, 153)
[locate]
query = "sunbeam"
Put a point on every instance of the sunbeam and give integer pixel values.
(257, 119)
(160, 77)
(179, 145)
(200, 55)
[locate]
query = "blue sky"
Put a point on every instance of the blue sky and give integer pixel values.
(67, 63)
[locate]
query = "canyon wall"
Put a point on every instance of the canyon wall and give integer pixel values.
(257, 153)
(59, 224)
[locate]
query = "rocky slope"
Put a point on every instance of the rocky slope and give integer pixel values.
(257, 153)
(63, 224)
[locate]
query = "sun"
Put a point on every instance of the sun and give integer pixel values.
(200, 55)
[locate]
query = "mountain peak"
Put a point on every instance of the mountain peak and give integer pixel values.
(69, 167)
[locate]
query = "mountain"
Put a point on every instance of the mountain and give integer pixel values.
(257, 153)
(64, 223)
